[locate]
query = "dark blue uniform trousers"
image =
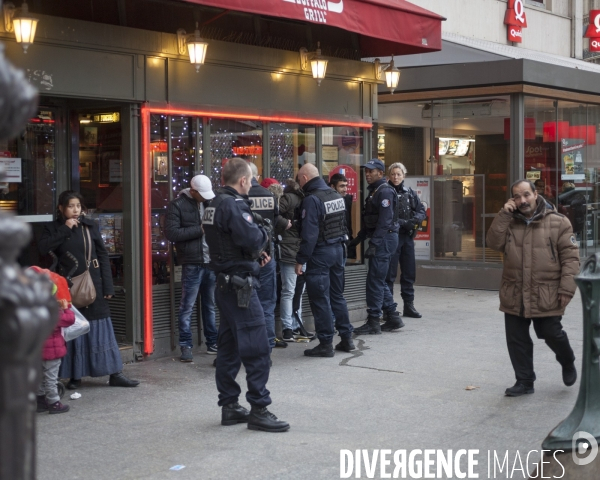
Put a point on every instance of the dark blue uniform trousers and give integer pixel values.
(242, 339)
(405, 255)
(325, 286)
(379, 298)
(267, 294)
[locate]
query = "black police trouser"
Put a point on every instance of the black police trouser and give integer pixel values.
(325, 287)
(405, 255)
(520, 346)
(242, 339)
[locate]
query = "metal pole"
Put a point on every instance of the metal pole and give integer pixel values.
(585, 417)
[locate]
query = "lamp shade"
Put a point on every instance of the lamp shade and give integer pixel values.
(319, 68)
(392, 76)
(550, 129)
(25, 27)
(529, 133)
(197, 51)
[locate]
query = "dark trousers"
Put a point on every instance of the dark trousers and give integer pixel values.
(242, 339)
(325, 286)
(379, 298)
(405, 256)
(520, 346)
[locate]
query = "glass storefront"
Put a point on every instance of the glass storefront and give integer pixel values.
(456, 152)
(562, 158)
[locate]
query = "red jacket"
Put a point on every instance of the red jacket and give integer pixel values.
(55, 346)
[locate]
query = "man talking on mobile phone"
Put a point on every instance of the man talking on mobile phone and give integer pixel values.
(541, 258)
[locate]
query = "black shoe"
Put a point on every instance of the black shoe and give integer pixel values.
(393, 322)
(120, 380)
(569, 374)
(263, 420)
(280, 343)
(411, 311)
(74, 384)
(346, 345)
(233, 414)
(288, 335)
(371, 327)
(42, 405)
(215, 362)
(186, 354)
(321, 350)
(518, 389)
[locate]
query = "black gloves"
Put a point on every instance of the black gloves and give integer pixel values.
(370, 252)
(354, 242)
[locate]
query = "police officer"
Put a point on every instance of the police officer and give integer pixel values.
(380, 225)
(411, 214)
(263, 203)
(323, 233)
(237, 247)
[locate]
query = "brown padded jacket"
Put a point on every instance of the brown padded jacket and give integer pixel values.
(541, 259)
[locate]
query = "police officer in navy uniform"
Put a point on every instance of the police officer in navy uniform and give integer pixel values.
(263, 203)
(237, 245)
(323, 233)
(411, 214)
(380, 225)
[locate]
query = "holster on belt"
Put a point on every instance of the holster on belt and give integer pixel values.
(243, 288)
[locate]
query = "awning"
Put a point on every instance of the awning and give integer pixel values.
(385, 27)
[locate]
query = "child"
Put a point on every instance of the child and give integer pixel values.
(54, 348)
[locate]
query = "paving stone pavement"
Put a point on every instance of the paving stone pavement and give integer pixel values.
(404, 390)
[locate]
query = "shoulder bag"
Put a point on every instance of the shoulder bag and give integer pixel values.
(83, 292)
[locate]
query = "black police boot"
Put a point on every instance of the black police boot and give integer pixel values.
(263, 420)
(519, 389)
(233, 414)
(569, 374)
(393, 322)
(321, 350)
(371, 327)
(411, 311)
(346, 345)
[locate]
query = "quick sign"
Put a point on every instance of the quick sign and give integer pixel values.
(515, 20)
(593, 31)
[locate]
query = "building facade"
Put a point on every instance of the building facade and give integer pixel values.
(125, 119)
(486, 111)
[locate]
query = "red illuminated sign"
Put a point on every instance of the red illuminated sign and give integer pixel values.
(593, 31)
(515, 20)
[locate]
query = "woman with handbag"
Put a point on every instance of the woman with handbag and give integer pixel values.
(83, 259)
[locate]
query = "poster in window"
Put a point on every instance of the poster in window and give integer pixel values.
(90, 136)
(85, 172)
(160, 167)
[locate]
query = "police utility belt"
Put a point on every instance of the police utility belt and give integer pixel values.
(242, 286)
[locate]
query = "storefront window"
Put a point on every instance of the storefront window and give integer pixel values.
(563, 160)
(101, 179)
(290, 145)
(232, 138)
(29, 161)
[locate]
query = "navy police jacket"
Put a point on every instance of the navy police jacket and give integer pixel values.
(312, 211)
(385, 200)
(412, 210)
(234, 239)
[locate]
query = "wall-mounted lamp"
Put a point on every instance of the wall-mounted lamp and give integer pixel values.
(194, 45)
(392, 74)
(22, 24)
(317, 63)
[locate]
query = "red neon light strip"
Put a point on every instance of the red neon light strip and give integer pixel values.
(268, 118)
(146, 173)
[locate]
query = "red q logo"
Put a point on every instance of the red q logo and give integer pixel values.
(519, 11)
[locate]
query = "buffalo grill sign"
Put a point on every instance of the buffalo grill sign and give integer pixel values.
(515, 20)
(593, 31)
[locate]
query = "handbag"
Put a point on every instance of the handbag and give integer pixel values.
(80, 327)
(83, 292)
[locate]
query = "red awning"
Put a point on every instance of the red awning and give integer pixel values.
(385, 27)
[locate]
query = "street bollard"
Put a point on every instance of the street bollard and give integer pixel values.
(28, 311)
(583, 423)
